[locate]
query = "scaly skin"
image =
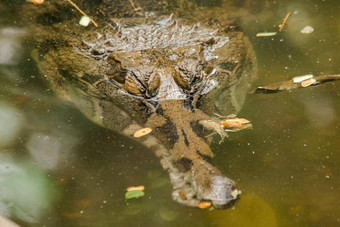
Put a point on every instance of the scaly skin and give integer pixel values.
(161, 74)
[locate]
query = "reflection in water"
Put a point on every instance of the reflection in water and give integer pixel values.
(47, 151)
(287, 166)
(10, 45)
(320, 110)
(24, 191)
(11, 121)
(251, 211)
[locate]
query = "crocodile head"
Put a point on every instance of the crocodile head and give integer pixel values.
(163, 75)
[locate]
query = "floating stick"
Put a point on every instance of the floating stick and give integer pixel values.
(284, 21)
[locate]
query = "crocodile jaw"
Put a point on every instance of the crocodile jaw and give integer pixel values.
(186, 157)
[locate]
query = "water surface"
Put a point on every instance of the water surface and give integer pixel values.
(58, 168)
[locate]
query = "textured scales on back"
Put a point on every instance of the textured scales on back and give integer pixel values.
(165, 45)
(164, 74)
(167, 33)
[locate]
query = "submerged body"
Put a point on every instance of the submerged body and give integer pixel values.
(164, 73)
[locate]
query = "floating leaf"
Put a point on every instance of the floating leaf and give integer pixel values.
(134, 194)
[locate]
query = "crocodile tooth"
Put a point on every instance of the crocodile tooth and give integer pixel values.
(165, 21)
(99, 36)
(194, 28)
(213, 33)
(88, 44)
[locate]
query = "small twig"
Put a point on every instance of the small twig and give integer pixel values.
(82, 12)
(290, 84)
(284, 21)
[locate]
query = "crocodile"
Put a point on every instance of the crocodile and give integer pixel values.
(152, 71)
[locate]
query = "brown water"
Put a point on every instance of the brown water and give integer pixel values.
(59, 169)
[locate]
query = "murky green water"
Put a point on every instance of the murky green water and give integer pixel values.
(59, 169)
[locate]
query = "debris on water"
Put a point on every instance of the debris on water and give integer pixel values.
(307, 30)
(84, 21)
(134, 194)
(215, 127)
(308, 82)
(234, 123)
(138, 188)
(36, 1)
(204, 204)
(142, 132)
(235, 193)
(281, 26)
(276, 87)
(296, 82)
(284, 21)
(265, 34)
(230, 123)
(299, 79)
(82, 12)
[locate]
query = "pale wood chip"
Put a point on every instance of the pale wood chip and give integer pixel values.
(142, 132)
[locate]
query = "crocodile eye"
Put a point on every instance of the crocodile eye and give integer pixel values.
(144, 83)
(153, 84)
(116, 72)
(132, 85)
(189, 76)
